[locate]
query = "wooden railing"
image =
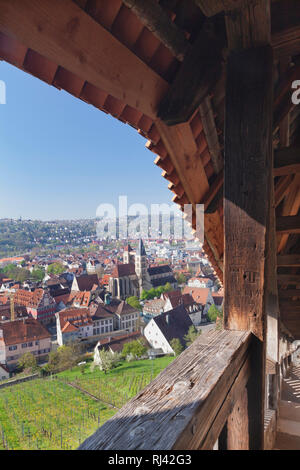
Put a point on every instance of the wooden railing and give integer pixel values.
(187, 406)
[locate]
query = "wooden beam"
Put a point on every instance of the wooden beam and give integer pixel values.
(289, 293)
(250, 25)
(65, 34)
(247, 193)
(288, 224)
(159, 23)
(198, 397)
(195, 79)
(287, 161)
(285, 28)
(290, 261)
(281, 189)
(292, 279)
(290, 207)
(211, 134)
(212, 7)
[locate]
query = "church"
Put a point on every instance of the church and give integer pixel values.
(134, 276)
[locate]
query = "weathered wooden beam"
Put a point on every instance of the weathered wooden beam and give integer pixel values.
(210, 131)
(199, 389)
(290, 261)
(212, 7)
(159, 23)
(247, 193)
(287, 161)
(285, 27)
(288, 224)
(289, 293)
(67, 35)
(291, 206)
(288, 279)
(195, 79)
(249, 25)
(281, 189)
(238, 425)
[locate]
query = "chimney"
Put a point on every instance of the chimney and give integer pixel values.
(167, 319)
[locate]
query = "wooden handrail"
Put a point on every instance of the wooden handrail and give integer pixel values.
(188, 404)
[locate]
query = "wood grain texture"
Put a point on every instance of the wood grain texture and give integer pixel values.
(62, 32)
(248, 168)
(195, 79)
(177, 410)
(159, 23)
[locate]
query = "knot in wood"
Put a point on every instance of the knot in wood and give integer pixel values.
(138, 432)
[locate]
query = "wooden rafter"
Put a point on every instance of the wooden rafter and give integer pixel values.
(287, 161)
(60, 29)
(196, 77)
(159, 23)
(288, 224)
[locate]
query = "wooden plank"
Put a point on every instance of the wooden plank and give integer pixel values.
(288, 224)
(177, 409)
(232, 398)
(287, 161)
(65, 34)
(288, 260)
(195, 79)
(237, 427)
(159, 23)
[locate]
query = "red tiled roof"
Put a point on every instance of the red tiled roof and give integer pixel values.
(121, 270)
(21, 331)
(199, 294)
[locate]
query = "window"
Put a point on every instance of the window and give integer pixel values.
(12, 348)
(29, 345)
(37, 343)
(24, 345)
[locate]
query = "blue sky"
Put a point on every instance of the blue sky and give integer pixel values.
(61, 158)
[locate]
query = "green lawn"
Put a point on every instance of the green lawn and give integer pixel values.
(50, 414)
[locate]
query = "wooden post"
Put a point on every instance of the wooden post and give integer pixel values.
(237, 425)
(248, 176)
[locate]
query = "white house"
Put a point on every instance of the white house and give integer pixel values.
(167, 326)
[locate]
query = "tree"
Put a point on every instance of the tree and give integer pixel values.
(108, 360)
(56, 268)
(134, 302)
(176, 345)
(191, 335)
(181, 279)
(213, 313)
(27, 361)
(136, 348)
(38, 274)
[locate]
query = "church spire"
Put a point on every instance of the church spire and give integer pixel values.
(140, 251)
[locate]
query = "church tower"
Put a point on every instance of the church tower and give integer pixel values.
(141, 267)
(128, 255)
